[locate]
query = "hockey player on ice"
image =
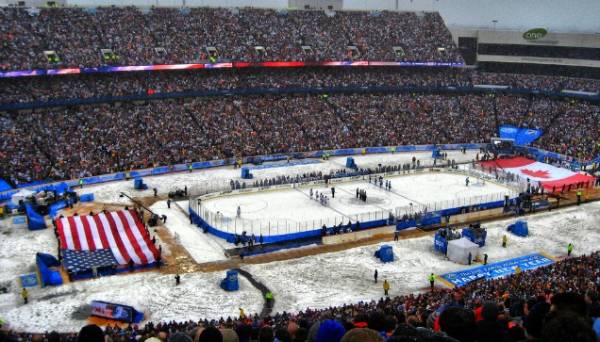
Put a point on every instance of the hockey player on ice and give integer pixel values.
(311, 193)
(467, 181)
(239, 212)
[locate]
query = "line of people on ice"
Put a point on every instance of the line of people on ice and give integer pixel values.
(320, 196)
(381, 181)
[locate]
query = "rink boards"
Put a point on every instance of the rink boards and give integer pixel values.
(286, 209)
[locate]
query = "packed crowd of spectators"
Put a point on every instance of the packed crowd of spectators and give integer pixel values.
(27, 89)
(77, 36)
(560, 302)
(83, 141)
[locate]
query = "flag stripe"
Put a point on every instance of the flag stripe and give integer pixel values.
(88, 233)
(100, 229)
(117, 237)
(122, 232)
(74, 233)
(119, 255)
(131, 247)
(139, 236)
(89, 220)
(83, 237)
(61, 234)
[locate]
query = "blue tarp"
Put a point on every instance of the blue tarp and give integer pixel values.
(48, 276)
(519, 228)
(55, 207)
(230, 283)
(498, 269)
(521, 136)
(35, 220)
(472, 235)
(385, 253)
(87, 197)
(4, 185)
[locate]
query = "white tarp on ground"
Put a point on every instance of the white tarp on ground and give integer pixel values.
(459, 249)
(21, 195)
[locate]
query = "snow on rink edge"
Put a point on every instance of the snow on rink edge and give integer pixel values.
(347, 277)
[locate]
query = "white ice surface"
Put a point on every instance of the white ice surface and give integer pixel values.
(292, 210)
(109, 192)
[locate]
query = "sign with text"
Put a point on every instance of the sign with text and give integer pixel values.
(497, 270)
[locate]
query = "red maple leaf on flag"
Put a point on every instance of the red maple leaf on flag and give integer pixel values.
(536, 173)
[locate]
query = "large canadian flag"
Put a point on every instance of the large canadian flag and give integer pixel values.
(547, 175)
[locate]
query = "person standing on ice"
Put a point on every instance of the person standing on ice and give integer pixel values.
(375, 276)
(569, 249)
(467, 181)
(177, 279)
(504, 240)
(239, 211)
(386, 287)
(332, 192)
(311, 193)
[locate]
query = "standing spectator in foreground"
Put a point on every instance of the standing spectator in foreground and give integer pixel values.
(386, 287)
(569, 249)
(432, 281)
(25, 295)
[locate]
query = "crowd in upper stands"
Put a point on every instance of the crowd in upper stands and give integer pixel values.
(556, 303)
(183, 36)
(79, 141)
(83, 141)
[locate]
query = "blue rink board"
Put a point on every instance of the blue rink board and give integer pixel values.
(283, 164)
(497, 269)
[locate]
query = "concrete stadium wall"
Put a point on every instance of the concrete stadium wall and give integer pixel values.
(356, 236)
(475, 216)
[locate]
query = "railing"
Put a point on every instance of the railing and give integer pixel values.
(294, 90)
(268, 227)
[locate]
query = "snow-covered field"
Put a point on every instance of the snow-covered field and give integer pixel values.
(293, 210)
(202, 247)
(198, 296)
(344, 277)
(315, 281)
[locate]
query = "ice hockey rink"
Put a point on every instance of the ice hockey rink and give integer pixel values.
(274, 212)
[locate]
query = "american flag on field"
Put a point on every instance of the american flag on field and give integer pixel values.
(80, 261)
(120, 231)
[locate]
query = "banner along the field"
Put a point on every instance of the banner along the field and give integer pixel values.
(497, 269)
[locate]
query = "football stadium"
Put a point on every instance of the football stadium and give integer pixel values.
(299, 170)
